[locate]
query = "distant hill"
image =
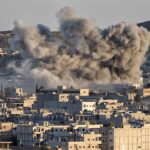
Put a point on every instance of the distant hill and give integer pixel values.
(5, 35)
(6, 32)
(145, 24)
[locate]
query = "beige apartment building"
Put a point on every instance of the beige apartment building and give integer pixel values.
(29, 101)
(146, 92)
(90, 142)
(66, 137)
(128, 138)
(84, 92)
(90, 137)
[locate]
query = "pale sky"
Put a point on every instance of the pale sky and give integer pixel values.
(103, 12)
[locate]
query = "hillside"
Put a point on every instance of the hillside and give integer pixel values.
(145, 24)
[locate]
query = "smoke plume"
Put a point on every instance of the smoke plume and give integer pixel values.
(82, 53)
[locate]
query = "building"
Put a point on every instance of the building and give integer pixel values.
(6, 130)
(61, 94)
(146, 92)
(89, 142)
(3, 108)
(29, 101)
(30, 135)
(5, 145)
(2, 52)
(74, 137)
(14, 92)
(129, 138)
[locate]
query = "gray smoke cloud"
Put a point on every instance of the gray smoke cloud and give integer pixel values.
(82, 54)
(44, 30)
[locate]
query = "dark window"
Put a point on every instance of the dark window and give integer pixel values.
(110, 140)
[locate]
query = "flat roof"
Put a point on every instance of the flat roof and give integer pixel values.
(5, 142)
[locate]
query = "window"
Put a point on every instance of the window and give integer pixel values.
(52, 130)
(110, 140)
(38, 136)
(37, 129)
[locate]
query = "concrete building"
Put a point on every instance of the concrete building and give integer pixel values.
(72, 106)
(74, 137)
(129, 138)
(29, 101)
(30, 135)
(6, 130)
(89, 142)
(61, 94)
(109, 105)
(2, 52)
(5, 145)
(3, 108)
(14, 92)
(63, 136)
(146, 92)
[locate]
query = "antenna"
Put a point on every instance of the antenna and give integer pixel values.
(36, 90)
(1, 89)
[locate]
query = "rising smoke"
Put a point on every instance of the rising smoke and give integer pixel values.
(82, 54)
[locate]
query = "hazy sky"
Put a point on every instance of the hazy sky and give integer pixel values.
(103, 12)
